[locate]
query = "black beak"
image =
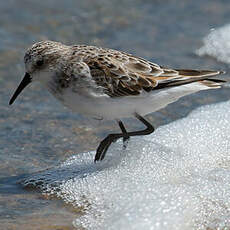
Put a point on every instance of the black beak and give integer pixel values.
(25, 81)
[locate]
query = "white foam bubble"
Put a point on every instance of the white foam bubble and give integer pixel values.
(217, 44)
(176, 178)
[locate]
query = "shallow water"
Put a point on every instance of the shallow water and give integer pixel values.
(38, 133)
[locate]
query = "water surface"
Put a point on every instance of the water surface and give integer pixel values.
(38, 133)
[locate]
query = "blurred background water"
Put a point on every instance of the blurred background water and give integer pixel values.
(37, 132)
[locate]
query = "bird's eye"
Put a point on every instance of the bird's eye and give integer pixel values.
(39, 62)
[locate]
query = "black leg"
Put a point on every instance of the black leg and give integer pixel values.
(104, 145)
(149, 128)
(126, 137)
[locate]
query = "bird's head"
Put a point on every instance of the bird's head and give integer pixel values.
(41, 60)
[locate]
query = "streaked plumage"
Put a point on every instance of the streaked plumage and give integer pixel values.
(110, 84)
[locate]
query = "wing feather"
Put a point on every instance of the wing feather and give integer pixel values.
(122, 74)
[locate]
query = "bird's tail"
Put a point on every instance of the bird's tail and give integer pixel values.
(187, 76)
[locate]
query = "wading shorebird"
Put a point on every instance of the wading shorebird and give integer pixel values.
(109, 84)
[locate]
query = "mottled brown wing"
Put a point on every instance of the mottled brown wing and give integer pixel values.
(122, 74)
(113, 79)
(119, 77)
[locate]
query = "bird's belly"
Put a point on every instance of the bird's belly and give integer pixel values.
(105, 107)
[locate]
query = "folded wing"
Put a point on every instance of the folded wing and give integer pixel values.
(122, 74)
